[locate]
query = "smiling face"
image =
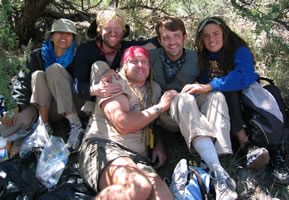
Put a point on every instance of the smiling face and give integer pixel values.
(172, 42)
(212, 36)
(61, 41)
(112, 33)
(137, 69)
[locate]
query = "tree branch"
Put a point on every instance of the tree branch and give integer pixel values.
(145, 7)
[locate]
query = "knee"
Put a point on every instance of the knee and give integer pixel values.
(219, 96)
(100, 66)
(53, 71)
(38, 75)
(143, 186)
(185, 99)
(28, 116)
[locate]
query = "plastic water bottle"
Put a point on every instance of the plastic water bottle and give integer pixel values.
(3, 149)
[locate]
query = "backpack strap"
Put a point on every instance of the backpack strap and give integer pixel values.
(200, 181)
(270, 81)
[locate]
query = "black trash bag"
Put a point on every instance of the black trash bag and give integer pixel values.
(17, 181)
(70, 185)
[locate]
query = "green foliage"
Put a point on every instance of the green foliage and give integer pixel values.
(7, 36)
(275, 55)
(9, 60)
(9, 67)
(269, 33)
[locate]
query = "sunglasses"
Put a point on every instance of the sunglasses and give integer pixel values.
(116, 31)
(206, 21)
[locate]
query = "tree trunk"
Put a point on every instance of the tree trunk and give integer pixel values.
(24, 24)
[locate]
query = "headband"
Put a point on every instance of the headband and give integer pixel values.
(206, 21)
(131, 51)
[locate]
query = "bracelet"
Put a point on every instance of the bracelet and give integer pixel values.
(157, 109)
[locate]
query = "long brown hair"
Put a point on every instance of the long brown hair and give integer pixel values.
(231, 42)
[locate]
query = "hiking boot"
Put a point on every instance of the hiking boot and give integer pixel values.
(48, 129)
(224, 185)
(75, 137)
(256, 157)
(280, 170)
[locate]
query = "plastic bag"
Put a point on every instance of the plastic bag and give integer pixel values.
(37, 139)
(52, 162)
(20, 134)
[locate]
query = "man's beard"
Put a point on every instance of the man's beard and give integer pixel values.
(112, 47)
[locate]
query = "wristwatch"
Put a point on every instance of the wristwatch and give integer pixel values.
(157, 109)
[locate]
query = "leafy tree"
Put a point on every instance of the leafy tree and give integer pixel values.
(9, 62)
(262, 23)
(272, 22)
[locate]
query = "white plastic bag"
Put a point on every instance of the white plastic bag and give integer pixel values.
(52, 162)
(37, 139)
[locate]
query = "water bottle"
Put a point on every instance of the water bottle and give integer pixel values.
(3, 149)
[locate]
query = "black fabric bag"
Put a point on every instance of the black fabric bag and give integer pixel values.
(263, 127)
(2, 105)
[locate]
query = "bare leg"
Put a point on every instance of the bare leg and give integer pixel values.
(160, 189)
(43, 113)
(122, 179)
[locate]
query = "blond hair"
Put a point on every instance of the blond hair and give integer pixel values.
(110, 14)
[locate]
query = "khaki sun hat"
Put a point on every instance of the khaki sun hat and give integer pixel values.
(64, 25)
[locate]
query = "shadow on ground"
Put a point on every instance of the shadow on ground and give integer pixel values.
(251, 184)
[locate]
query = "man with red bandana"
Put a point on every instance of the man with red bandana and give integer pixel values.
(113, 157)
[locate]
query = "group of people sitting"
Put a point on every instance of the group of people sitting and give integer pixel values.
(127, 88)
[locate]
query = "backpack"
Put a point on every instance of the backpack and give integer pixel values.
(264, 113)
(190, 183)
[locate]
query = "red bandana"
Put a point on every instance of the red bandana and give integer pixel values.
(102, 51)
(131, 51)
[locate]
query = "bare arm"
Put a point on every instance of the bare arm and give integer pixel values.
(117, 111)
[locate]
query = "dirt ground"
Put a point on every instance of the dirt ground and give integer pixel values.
(251, 184)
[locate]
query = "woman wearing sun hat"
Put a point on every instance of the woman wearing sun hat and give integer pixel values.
(44, 86)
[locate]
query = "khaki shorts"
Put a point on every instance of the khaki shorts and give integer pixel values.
(96, 153)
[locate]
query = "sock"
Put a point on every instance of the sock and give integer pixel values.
(72, 118)
(206, 149)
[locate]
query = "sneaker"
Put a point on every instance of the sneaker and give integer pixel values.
(224, 185)
(75, 137)
(179, 179)
(256, 157)
(280, 170)
(48, 129)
